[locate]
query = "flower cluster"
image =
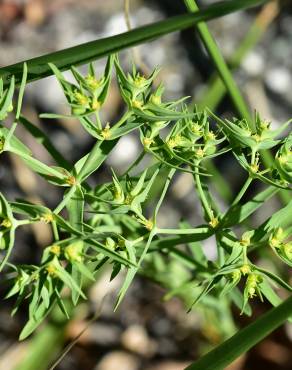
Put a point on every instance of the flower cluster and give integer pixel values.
(117, 223)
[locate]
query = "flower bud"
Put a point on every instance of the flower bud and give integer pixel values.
(2, 142)
(105, 133)
(245, 238)
(252, 282)
(276, 237)
(137, 104)
(81, 99)
(283, 160)
(155, 99)
(236, 275)
(92, 83)
(55, 249)
(110, 244)
(73, 252)
(6, 223)
(245, 269)
(196, 128)
(286, 249)
(10, 108)
(78, 111)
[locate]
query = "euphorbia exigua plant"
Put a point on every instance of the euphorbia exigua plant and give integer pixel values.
(112, 223)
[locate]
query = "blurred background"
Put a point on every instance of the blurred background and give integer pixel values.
(145, 333)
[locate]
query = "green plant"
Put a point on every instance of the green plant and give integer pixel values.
(114, 224)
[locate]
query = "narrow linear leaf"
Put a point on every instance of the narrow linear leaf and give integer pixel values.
(43, 139)
(35, 321)
(75, 208)
(21, 90)
(238, 214)
(8, 98)
(92, 161)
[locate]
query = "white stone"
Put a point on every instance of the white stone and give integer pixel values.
(279, 80)
(253, 63)
(118, 360)
(116, 25)
(124, 152)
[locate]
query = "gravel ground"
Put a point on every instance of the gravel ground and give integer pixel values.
(145, 333)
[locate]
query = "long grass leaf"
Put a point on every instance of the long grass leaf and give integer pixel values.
(38, 67)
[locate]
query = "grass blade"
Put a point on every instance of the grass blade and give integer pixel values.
(216, 88)
(84, 53)
(223, 355)
(222, 68)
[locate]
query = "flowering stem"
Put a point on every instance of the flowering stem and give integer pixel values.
(25, 222)
(244, 254)
(242, 191)
(55, 230)
(166, 185)
(253, 156)
(202, 196)
(197, 230)
(122, 119)
(140, 239)
(9, 135)
(98, 122)
(220, 252)
(90, 157)
(65, 200)
(135, 163)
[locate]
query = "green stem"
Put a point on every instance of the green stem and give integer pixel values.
(145, 250)
(65, 200)
(220, 65)
(216, 88)
(125, 116)
(220, 183)
(221, 253)
(197, 230)
(140, 239)
(166, 185)
(91, 156)
(25, 222)
(135, 163)
(242, 191)
(55, 231)
(9, 135)
(98, 122)
(93, 50)
(253, 156)
(244, 254)
(202, 196)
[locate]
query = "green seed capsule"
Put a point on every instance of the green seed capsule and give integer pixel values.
(287, 250)
(78, 111)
